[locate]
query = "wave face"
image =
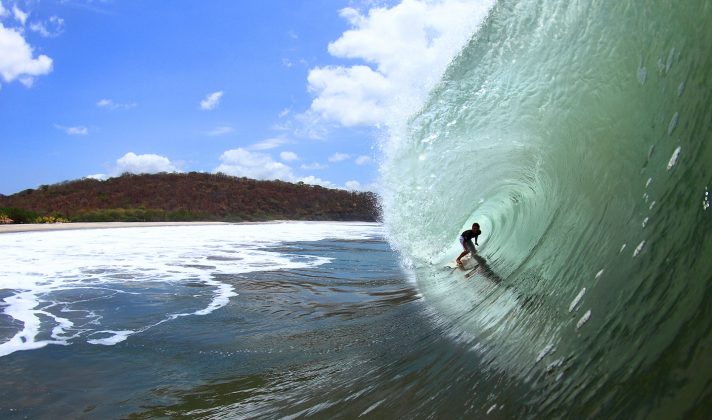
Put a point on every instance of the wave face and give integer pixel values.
(578, 135)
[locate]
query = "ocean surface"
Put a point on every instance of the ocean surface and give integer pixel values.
(578, 134)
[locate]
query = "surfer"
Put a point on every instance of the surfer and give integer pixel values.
(466, 241)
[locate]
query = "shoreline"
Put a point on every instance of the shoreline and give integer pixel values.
(44, 227)
(47, 227)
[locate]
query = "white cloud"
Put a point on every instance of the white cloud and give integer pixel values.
(16, 60)
(20, 16)
(110, 104)
(241, 162)
(353, 185)
(270, 143)
(98, 177)
(338, 157)
(143, 164)
(220, 130)
(314, 166)
(406, 48)
(53, 27)
(73, 131)
(312, 180)
(284, 112)
(357, 186)
(211, 101)
(362, 160)
(350, 96)
(3, 11)
(288, 156)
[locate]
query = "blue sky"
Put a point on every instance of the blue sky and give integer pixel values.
(292, 90)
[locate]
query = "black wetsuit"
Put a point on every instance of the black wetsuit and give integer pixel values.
(467, 237)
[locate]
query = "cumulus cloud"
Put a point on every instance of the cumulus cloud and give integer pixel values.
(404, 50)
(350, 96)
(338, 157)
(144, 164)
(211, 101)
(220, 130)
(242, 162)
(362, 160)
(54, 26)
(16, 61)
(288, 156)
(110, 104)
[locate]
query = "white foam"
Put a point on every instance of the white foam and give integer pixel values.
(673, 159)
(544, 352)
(584, 319)
(115, 262)
(116, 337)
(577, 299)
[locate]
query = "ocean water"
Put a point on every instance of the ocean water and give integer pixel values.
(576, 133)
(227, 320)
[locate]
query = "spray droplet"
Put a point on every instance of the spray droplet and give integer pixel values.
(622, 248)
(548, 349)
(671, 57)
(638, 249)
(674, 157)
(600, 273)
(673, 123)
(584, 319)
(645, 222)
(706, 200)
(642, 75)
(651, 205)
(577, 299)
(430, 138)
(647, 183)
(681, 89)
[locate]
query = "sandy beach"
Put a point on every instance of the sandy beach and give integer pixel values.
(35, 227)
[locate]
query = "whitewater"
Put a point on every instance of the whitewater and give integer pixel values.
(577, 134)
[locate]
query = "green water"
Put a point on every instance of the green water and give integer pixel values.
(578, 135)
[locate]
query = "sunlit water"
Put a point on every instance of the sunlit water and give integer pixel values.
(576, 133)
(229, 319)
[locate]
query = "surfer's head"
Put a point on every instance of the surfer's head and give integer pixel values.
(476, 227)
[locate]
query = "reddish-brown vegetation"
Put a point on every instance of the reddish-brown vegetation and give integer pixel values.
(193, 196)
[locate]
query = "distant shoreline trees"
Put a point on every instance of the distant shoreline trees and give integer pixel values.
(184, 197)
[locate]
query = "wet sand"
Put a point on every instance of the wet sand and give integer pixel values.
(32, 227)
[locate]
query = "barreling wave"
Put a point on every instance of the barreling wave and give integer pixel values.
(578, 135)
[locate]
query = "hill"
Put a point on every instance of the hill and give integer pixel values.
(187, 197)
